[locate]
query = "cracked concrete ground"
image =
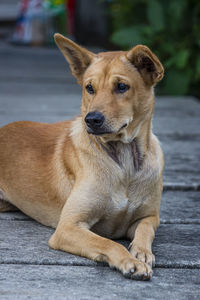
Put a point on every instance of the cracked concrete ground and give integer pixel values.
(36, 85)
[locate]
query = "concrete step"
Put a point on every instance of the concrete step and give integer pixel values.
(175, 245)
(61, 282)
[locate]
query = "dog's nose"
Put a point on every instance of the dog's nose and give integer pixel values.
(94, 120)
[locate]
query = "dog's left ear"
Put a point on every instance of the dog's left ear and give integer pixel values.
(147, 64)
(78, 58)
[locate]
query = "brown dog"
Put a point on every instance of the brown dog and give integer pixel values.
(99, 175)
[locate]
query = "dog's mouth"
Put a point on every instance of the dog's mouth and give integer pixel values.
(123, 126)
(96, 124)
(105, 130)
(99, 131)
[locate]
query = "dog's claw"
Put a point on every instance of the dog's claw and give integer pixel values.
(138, 276)
(138, 270)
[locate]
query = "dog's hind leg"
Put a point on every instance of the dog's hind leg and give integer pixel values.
(4, 205)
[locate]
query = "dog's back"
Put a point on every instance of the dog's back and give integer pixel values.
(32, 170)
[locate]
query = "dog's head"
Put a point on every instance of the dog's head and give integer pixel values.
(117, 88)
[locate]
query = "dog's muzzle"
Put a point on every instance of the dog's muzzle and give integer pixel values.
(95, 123)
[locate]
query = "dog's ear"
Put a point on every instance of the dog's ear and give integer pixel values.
(146, 63)
(78, 58)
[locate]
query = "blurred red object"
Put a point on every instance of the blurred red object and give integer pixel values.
(71, 4)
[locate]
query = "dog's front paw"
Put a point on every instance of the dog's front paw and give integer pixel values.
(134, 269)
(143, 255)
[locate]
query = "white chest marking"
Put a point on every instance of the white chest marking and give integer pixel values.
(120, 203)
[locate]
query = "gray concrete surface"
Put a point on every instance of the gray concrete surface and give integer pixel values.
(36, 84)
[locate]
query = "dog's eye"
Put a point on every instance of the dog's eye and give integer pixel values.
(122, 88)
(89, 89)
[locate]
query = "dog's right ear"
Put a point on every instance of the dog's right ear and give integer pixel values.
(78, 58)
(147, 64)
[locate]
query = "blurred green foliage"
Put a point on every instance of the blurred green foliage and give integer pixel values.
(171, 29)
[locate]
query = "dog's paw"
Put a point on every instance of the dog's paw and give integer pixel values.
(143, 255)
(134, 269)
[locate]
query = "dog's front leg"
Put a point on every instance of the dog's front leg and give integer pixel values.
(143, 232)
(73, 235)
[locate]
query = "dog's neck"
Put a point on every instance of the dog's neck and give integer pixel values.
(114, 150)
(138, 146)
(137, 156)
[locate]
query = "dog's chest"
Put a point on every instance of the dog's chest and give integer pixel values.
(127, 194)
(119, 214)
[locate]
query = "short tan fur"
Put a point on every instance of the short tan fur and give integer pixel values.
(98, 177)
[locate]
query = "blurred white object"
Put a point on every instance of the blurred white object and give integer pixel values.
(38, 20)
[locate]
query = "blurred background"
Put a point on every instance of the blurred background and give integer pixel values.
(36, 84)
(170, 28)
